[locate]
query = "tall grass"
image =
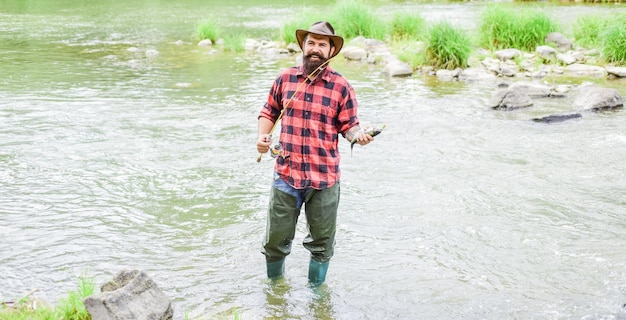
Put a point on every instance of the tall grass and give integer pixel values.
(506, 26)
(353, 18)
(72, 306)
(448, 47)
(207, 29)
(411, 52)
(234, 42)
(613, 40)
(587, 28)
(407, 26)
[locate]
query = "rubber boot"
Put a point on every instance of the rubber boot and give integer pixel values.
(317, 272)
(276, 269)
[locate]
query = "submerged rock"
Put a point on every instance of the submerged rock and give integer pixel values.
(558, 118)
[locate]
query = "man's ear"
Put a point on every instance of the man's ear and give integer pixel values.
(332, 50)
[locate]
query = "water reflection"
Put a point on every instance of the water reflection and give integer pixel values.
(285, 301)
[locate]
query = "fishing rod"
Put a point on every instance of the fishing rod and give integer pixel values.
(308, 77)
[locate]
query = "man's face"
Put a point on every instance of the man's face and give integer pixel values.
(317, 50)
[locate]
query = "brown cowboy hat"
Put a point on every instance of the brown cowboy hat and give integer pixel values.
(322, 28)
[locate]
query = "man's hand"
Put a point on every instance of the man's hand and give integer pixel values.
(263, 143)
(358, 135)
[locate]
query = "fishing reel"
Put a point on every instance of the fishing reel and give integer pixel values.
(276, 150)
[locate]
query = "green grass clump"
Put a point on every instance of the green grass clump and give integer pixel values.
(207, 29)
(234, 42)
(448, 47)
(72, 306)
(411, 52)
(587, 29)
(523, 28)
(353, 18)
(69, 308)
(407, 26)
(613, 40)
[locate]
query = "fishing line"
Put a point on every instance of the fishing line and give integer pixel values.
(308, 78)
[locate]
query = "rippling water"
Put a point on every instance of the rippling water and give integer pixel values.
(112, 156)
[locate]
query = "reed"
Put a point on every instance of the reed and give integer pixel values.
(448, 47)
(505, 26)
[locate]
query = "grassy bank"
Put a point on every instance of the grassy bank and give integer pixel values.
(71, 307)
(444, 45)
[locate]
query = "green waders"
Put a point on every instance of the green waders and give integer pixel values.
(321, 215)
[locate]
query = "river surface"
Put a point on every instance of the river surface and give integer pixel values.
(123, 145)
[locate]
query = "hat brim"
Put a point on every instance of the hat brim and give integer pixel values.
(337, 40)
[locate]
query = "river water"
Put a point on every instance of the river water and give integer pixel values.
(123, 149)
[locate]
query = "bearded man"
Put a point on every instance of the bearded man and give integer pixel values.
(315, 105)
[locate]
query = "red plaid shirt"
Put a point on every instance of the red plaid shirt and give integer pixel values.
(310, 126)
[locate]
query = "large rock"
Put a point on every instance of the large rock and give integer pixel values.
(591, 98)
(559, 40)
(507, 54)
(131, 295)
(476, 74)
(619, 72)
(584, 70)
(506, 99)
(532, 89)
(354, 53)
(545, 52)
(397, 68)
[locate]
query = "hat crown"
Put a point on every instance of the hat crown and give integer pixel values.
(322, 28)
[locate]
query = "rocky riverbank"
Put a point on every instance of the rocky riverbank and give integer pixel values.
(518, 74)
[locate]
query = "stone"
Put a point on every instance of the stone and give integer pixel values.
(546, 52)
(447, 75)
(566, 58)
(476, 74)
(531, 89)
(131, 295)
(557, 118)
(205, 43)
(508, 54)
(578, 69)
(354, 53)
(619, 72)
(591, 98)
(397, 69)
(507, 99)
(559, 40)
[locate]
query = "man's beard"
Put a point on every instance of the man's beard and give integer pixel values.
(311, 66)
